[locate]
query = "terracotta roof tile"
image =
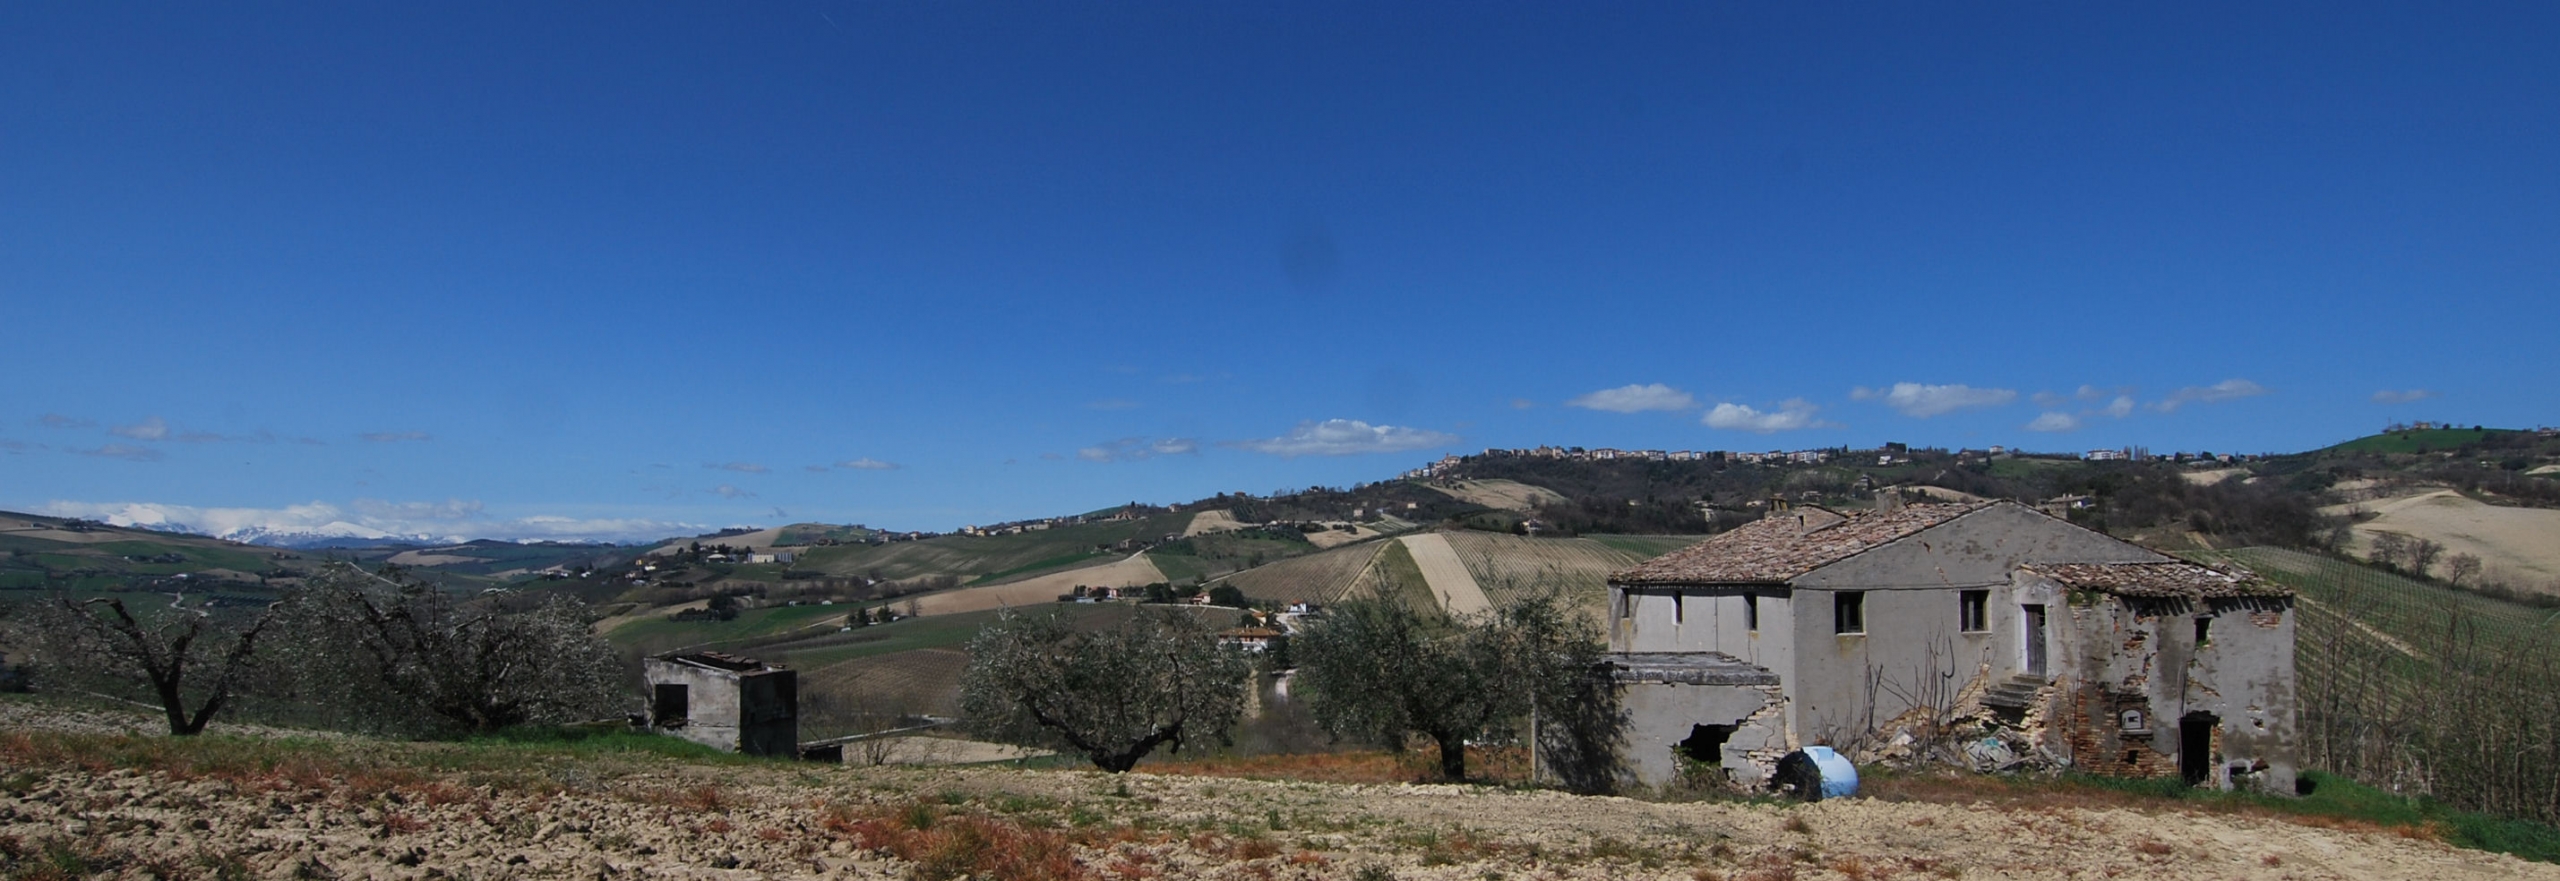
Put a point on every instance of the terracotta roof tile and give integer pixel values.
(2160, 580)
(1779, 547)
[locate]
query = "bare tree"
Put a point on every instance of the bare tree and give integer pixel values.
(387, 652)
(1159, 679)
(2389, 549)
(192, 660)
(2461, 566)
(2422, 556)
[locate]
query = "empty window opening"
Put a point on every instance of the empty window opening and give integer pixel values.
(1679, 608)
(670, 703)
(2204, 629)
(1849, 612)
(1973, 611)
(1751, 613)
(1706, 743)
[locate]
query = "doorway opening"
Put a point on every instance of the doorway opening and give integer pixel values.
(2195, 747)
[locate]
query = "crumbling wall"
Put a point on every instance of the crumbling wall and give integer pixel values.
(1661, 715)
(2138, 671)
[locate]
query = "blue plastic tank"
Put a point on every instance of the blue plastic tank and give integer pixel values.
(1839, 777)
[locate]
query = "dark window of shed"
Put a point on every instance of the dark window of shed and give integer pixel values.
(1973, 610)
(1849, 612)
(2204, 629)
(670, 703)
(1751, 612)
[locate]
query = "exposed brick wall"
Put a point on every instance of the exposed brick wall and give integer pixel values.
(2098, 742)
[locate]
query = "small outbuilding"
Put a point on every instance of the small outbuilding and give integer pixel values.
(737, 704)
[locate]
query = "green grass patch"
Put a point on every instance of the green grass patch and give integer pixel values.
(2428, 441)
(659, 633)
(1062, 561)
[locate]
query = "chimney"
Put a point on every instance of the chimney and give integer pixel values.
(1888, 499)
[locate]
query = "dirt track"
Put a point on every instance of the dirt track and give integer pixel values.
(1131, 571)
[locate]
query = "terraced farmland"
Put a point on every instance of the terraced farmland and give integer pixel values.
(868, 694)
(1020, 555)
(1322, 577)
(1510, 566)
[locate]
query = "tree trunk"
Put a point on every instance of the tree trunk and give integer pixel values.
(1453, 756)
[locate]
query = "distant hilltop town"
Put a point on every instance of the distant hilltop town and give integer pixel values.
(1889, 454)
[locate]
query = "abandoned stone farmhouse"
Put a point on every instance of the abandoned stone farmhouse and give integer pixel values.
(1989, 633)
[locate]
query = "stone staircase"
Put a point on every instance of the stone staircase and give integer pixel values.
(2015, 693)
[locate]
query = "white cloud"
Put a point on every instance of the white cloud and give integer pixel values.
(727, 491)
(392, 437)
(1635, 399)
(2226, 390)
(740, 467)
(2054, 420)
(450, 520)
(867, 463)
(1345, 437)
(57, 420)
(1131, 449)
(1523, 404)
(151, 429)
(1923, 401)
(125, 451)
(1792, 414)
(2119, 408)
(2391, 396)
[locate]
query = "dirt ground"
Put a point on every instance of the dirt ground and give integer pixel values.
(667, 818)
(2517, 546)
(2214, 476)
(1509, 494)
(1133, 571)
(1212, 521)
(1447, 574)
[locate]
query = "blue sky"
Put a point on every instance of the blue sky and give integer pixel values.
(531, 270)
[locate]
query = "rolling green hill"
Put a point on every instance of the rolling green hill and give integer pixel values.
(48, 554)
(993, 558)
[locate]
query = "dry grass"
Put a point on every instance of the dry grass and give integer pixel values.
(944, 843)
(1496, 765)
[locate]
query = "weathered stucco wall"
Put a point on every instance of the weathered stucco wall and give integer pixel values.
(757, 713)
(1913, 640)
(1700, 619)
(1662, 715)
(711, 698)
(2142, 656)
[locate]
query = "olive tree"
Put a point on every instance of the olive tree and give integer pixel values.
(1115, 694)
(191, 660)
(1380, 670)
(387, 652)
